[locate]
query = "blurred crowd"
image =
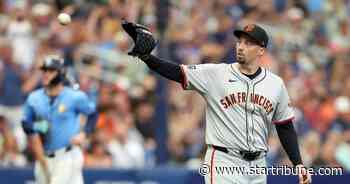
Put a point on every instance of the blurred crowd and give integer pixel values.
(309, 48)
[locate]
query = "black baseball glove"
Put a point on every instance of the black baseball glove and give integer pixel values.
(144, 42)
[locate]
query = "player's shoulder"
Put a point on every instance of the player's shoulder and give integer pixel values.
(36, 94)
(206, 66)
(74, 93)
(273, 77)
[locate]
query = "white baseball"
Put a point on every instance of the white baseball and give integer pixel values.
(64, 18)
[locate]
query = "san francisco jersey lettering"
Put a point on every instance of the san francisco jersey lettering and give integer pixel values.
(240, 111)
(241, 97)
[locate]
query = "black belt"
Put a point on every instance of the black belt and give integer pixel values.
(222, 149)
(250, 155)
(51, 155)
(246, 155)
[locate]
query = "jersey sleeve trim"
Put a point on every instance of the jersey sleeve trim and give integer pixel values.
(184, 82)
(286, 121)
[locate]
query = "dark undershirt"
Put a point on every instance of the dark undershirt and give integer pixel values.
(52, 99)
(252, 76)
(165, 68)
(289, 140)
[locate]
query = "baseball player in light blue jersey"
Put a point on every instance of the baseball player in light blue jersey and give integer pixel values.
(53, 122)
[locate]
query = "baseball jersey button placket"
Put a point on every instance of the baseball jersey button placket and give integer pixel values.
(251, 111)
(248, 116)
(248, 87)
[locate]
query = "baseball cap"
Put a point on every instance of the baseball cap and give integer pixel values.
(255, 32)
(52, 62)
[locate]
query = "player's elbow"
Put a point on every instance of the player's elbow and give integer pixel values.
(27, 128)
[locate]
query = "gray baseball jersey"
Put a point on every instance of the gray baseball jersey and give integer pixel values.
(240, 111)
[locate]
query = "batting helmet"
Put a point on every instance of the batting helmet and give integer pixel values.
(53, 62)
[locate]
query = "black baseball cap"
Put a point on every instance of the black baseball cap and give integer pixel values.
(255, 32)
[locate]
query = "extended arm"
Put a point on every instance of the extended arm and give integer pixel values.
(144, 43)
(164, 68)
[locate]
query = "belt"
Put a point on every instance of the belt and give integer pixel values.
(53, 154)
(246, 155)
(250, 155)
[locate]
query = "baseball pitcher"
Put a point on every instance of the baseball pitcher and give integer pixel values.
(244, 100)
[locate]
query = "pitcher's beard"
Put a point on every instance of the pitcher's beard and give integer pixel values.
(240, 60)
